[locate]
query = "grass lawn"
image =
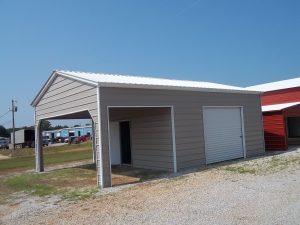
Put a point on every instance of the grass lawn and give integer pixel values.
(24, 158)
(72, 183)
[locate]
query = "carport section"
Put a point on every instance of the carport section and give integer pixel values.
(39, 139)
(71, 97)
(281, 125)
(142, 136)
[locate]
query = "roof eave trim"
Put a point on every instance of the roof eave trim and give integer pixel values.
(93, 83)
(271, 110)
(268, 90)
(43, 89)
(161, 87)
(281, 109)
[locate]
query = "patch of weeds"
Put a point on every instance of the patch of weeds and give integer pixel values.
(282, 162)
(269, 165)
(3, 199)
(79, 193)
(29, 184)
(43, 190)
(151, 175)
(277, 162)
(70, 174)
(180, 177)
(59, 183)
(91, 166)
(240, 169)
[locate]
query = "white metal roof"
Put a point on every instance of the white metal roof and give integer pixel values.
(278, 85)
(125, 81)
(82, 127)
(138, 81)
(278, 107)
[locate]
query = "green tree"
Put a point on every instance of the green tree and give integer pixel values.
(4, 132)
(46, 125)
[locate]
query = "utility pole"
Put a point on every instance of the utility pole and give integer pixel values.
(13, 110)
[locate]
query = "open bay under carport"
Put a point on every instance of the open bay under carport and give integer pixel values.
(281, 125)
(154, 123)
(39, 138)
(142, 137)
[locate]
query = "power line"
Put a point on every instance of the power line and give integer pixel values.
(7, 122)
(5, 114)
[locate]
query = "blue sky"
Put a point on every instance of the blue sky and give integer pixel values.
(232, 42)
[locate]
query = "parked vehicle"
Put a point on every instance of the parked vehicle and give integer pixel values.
(62, 140)
(45, 142)
(72, 140)
(4, 143)
(66, 140)
(82, 139)
(24, 138)
(76, 140)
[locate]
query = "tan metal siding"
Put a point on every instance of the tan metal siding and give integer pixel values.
(188, 116)
(68, 93)
(152, 133)
(151, 136)
(64, 100)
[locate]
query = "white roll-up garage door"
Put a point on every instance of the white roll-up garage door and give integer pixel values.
(223, 133)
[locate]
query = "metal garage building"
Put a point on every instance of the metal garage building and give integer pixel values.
(281, 113)
(153, 123)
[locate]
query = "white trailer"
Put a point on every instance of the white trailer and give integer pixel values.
(24, 138)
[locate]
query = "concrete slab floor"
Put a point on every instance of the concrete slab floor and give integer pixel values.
(125, 174)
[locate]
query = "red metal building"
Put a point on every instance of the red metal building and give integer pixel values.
(281, 113)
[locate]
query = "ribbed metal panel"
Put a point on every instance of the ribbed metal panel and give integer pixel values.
(151, 136)
(223, 134)
(125, 81)
(275, 131)
(281, 96)
(190, 149)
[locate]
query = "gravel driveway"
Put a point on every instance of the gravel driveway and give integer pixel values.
(213, 196)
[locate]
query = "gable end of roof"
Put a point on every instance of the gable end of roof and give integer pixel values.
(50, 81)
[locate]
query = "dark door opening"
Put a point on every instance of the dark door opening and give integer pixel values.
(125, 142)
(293, 127)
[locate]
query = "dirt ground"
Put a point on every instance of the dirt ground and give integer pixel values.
(218, 195)
(4, 157)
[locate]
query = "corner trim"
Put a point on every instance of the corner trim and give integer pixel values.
(174, 140)
(99, 149)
